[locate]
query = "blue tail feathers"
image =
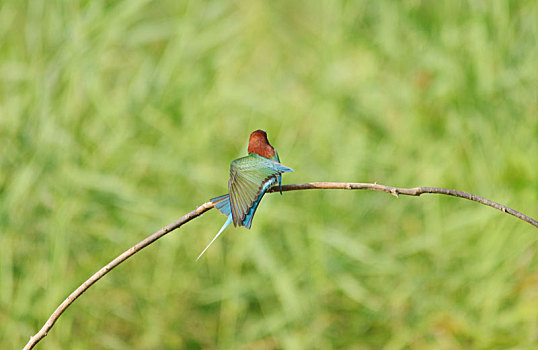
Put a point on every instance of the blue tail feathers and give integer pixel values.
(222, 203)
(228, 222)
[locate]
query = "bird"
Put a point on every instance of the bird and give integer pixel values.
(250, 178)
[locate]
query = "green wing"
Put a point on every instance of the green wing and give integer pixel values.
(250, 177)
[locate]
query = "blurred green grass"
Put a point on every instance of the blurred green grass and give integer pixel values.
(118, 117)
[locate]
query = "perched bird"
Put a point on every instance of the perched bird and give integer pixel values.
(250, 178)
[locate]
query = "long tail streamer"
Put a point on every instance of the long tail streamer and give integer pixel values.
(228, 221)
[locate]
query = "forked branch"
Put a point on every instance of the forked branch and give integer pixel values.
(415, 191)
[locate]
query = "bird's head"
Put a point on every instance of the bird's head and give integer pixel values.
(259, 144)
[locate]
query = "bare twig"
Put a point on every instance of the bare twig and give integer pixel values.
(396, 191)
(415, 191)
(106, 269)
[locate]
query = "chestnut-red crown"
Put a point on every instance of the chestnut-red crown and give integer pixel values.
(259, 144)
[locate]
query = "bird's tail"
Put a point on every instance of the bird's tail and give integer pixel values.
(228, 221)
(222, 203)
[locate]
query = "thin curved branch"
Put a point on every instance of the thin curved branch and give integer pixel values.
(396, 191)
(106, 269)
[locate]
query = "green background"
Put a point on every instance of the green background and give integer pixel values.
(118, 117)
